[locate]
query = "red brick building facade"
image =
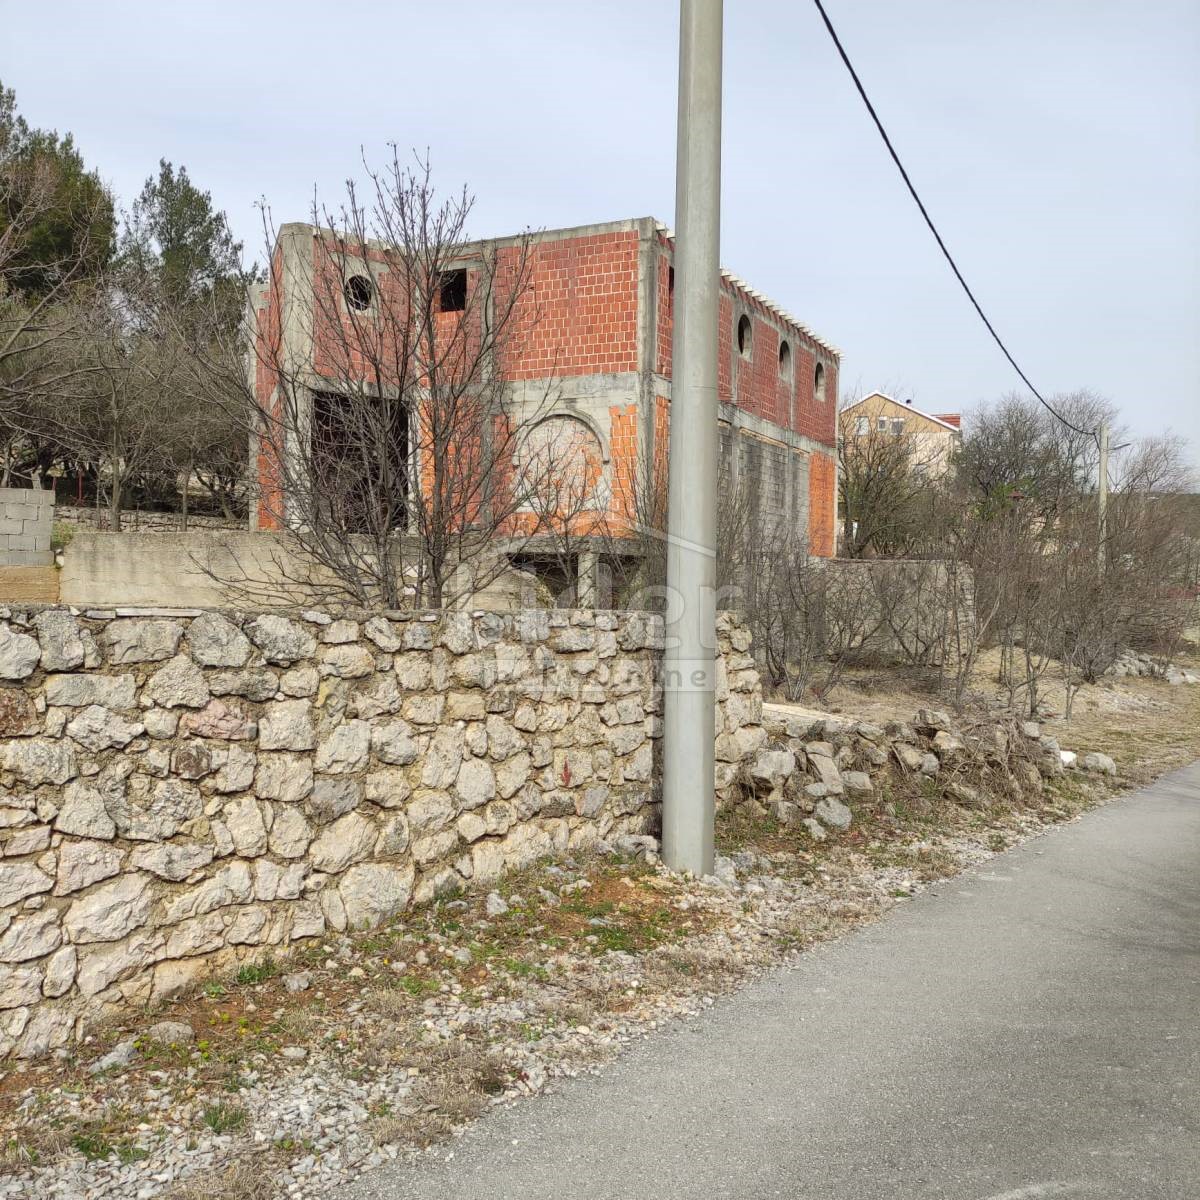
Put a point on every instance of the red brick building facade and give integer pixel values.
(604, 300)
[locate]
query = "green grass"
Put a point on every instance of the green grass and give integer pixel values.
(224, 1118)
(258, 972)
(61, 534)
(96, 1147)
(418, 985)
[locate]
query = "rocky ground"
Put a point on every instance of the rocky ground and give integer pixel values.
(292, 1076)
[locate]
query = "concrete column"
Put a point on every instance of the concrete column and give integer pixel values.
(689, 661)
(585, 574)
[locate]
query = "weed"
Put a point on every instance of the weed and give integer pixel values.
(224, 1118)
(258, 972)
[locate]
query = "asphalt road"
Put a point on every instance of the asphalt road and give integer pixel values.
(1031, 1030)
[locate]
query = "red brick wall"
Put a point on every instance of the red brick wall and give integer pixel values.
(584, 296)
(822, 477)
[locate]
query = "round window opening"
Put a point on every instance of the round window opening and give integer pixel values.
(744, 335)
(785, 359)
(359, 292)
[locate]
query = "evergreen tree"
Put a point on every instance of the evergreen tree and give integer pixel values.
(57, 221)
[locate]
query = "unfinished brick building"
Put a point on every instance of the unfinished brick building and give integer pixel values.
(604, 296)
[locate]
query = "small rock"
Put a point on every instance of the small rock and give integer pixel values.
(815, 829)
(495, 905)
(832, 812)
(298, 981)
(171, 1033)
(295, 1053)
(857, 783)
(1100, 763)
(120, 1055)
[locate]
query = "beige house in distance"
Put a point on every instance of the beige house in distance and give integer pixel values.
(936, 435)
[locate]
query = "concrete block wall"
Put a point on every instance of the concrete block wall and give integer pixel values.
(26, 519)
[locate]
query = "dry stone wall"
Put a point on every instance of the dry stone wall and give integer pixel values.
(184, 790)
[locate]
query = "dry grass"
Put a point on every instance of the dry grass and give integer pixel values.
(249, 1177)
(456, 1082)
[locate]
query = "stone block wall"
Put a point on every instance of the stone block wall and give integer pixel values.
(182, 790)
(26, 520)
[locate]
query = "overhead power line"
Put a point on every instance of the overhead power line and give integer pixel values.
(887, 141)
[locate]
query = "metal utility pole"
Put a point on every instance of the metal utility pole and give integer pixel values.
(1102, 496)
(689, 693)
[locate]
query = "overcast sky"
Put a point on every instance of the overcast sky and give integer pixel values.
(1056, 143)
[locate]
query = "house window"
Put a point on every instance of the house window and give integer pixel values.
(745, 336)
(819, 382)
(359, 292)
(349, 447)
(785, 358)
(452, 291)
(862, 426)
(881, 424)
(897, 425)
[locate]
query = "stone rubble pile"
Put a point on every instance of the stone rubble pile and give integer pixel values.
(809, 767)
(181, 791)
(1133, 663)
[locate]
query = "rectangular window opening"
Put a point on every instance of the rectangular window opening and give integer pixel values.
(452, 291)
(361, 468)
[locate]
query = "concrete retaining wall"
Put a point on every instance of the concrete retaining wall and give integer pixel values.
(26, 521)
(216, 569)
(181, 791)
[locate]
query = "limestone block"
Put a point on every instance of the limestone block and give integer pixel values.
(137, 640)
(171, 860)
(216, 641)
(443, 759)
(19, 653)
(244, 820)
(394, 743)
(372, 892)
(348, 840)
(345, 750)
(31, 937)
(351, 661)
(287, 725)
(110, 910)
(332, 797)
(388, 788)
(383, 633)
(80, 864)
(224, 720)
(253, 683)
(290, 833)
(475, 783)
(286, 777)
(36, 762)
(84, 813)
(281, 640)
(97, 728)
(61, 642)
(60, 971)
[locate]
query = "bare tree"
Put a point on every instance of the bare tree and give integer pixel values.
(887, 481)
(389, 438)
(115, 410)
